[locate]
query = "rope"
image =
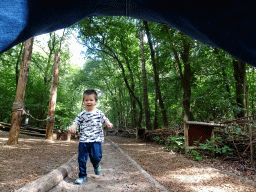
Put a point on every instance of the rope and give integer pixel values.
(17, 106)
(50, 119)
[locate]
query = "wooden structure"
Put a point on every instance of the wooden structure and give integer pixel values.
(40, 132)
(197, 132)
(246, 123)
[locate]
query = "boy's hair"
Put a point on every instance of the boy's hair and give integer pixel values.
(89, 92)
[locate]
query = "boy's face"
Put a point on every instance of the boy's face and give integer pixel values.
(90, 102)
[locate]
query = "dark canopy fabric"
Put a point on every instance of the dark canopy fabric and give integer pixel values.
(226, 24)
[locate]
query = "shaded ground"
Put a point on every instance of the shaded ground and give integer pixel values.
(119, 173)
(177, 173)
(30, 159)
(34, 157)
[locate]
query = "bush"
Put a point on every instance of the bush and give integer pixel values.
(175, 142)
(158, 139)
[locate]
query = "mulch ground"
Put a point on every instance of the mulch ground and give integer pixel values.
(34, 157)
(177, 173)
(31, 158)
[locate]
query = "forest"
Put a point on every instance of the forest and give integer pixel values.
(148, 76)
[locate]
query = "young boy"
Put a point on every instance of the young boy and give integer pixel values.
(91, 134)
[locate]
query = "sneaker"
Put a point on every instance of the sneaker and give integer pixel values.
(80, 181)
(98, 170)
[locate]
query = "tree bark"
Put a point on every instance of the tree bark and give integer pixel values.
(120, 115)
(144, 81)
(18, 104)
(18, 63)
(186, 80)
(156, 112)
(133, 101)
(186, 75)
(53, 97)
(240, 77)
(157, 81)
(131, 92)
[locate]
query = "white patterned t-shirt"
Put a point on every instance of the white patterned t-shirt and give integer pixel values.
(91, 125)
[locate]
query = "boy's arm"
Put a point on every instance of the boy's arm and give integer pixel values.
(72, 128)
(105, 120)
(109, 124)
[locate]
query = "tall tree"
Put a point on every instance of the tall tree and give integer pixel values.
(240, 77)
(183, 54)
(53, 97)
(18, 62)
(144, 80)
(94, 36)
(156, 75)
(18, 104)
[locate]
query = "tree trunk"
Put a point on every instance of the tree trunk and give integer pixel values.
(131, 92)
(133, 111)
(18, 63)
(186, 75)
(119, 115)
(133, 101)
(157, 81)
(156, 112)
(52, 102)
(144, 81)
(186, 80)
(18, 104)
(240, 77)
(225, 79)
(113, 55)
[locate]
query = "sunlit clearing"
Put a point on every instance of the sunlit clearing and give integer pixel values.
(199, 175)
(133, 144)
(196, 178)
(50, 141)
(29, 140)
(208, 189)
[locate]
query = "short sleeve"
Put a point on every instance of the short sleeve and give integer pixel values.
(103, 118)
(79, 119)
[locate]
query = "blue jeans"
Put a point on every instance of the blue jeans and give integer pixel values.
(94, 151)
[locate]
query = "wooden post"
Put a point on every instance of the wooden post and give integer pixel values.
(52, 102)
(251, 144)
(213, 143)
(213, 140)
(18, 104)
(186, 126)
(68, 136)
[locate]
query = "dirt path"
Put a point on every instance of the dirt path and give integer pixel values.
(33, 157)
(177, 173)
(119, 173)
(30, 159)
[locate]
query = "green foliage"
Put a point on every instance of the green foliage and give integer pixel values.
(221, 149)
(239, 131)
(39, 82)
(175, 142)
(211, 146)
(113, 67)
(158, 139)
(197, 156)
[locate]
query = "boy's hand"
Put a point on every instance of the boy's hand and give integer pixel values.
(72, 129)
(110, 125)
